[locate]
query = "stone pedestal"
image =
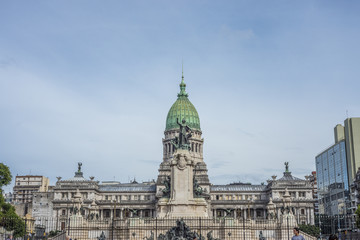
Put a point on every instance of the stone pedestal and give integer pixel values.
(182, 202)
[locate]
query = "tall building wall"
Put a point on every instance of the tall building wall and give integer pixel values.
(352, 138)
(332, 179)
(339, 133)
(26, 185)
(336, 168)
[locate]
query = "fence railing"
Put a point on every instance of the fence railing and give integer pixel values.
(344, 226)
(228, 228)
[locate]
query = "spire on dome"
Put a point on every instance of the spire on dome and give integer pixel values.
(182, 84)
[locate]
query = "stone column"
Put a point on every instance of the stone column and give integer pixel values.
(264, 213)
(235, 213)
(245, 213)
(312, 222)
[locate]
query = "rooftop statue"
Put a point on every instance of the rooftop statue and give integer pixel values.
(286, 166)
(79, 166)
(185, 133)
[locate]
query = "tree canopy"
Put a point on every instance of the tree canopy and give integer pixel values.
(8, 217)
(5, 175)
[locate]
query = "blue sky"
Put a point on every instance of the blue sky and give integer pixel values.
(92, 81)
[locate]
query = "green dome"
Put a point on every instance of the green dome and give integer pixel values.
(182, 108)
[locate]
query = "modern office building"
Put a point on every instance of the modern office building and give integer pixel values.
(332, 180)
(352, 139)
(336, 169)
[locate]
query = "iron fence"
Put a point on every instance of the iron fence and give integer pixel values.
(344, 226)
(79, 228)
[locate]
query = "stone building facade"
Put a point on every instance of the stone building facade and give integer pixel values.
(101, 200)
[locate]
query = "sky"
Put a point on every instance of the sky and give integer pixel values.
(92, 82)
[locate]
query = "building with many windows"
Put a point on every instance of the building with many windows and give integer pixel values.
(26, 185)
(313, 181)
(101, 200)
(336, 170)
(332, 180)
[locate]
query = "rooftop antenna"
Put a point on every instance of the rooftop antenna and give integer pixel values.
(347, 113)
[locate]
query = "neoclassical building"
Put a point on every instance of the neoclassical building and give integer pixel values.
(94, 199)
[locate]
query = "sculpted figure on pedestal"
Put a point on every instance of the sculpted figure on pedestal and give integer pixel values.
(185, 133)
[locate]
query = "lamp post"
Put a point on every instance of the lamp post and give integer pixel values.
(250, 199)
(114, 214)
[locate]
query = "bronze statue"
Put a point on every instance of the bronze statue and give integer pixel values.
(185, 133)
(198, 191)
(286, 166)
(135, 212)
(261, 237)
(180, 232)
(151, 236)
(79, 166)
(102, 236)
(166, 191)
(210, 237)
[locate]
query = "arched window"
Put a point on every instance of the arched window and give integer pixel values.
(192, 146)
(196, 147)
(302, 212)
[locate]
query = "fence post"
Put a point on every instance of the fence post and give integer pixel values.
(25, 229)
(244, 225)
(200, 226)
(69, 227)
(156, 227)
(287, 223)
(112, 229)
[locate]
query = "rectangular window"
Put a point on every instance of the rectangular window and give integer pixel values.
(107, 213)
(146, 214)
(258, 213)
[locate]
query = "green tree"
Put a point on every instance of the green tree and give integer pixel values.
(310, 229)
(357, 212)
(5, 175)
(8, 217)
